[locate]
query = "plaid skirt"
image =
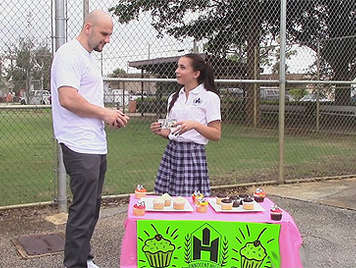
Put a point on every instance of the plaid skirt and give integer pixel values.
(183, 170)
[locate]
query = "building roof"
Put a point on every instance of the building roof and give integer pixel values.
(166, 66)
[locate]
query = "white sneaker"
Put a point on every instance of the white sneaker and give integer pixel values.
(91, 264)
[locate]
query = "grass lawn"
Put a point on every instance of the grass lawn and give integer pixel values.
(28, 156)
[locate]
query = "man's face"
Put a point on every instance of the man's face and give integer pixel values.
(100, 35)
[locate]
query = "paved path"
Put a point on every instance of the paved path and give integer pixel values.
(325, 213)
(339, 193)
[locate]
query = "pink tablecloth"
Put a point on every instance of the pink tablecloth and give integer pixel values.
(289, 238)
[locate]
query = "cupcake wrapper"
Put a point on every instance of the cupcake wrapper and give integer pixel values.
(159, 259)
(247, 263)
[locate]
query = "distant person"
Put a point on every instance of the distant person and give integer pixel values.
(196, 108)
(78, 121)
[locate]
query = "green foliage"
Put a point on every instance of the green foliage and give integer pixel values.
(217, 21)
(297, 93)
(118, 72)
(238, 27)
(28, 63)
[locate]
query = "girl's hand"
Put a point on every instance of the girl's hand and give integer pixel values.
(184, 126)
(157, 129)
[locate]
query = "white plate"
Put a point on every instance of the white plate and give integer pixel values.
(149, 206)
(257, 207)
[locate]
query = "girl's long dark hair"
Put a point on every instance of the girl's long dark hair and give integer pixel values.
(206, 76)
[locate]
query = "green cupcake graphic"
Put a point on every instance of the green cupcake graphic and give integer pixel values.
(252, 255)
(158, 251)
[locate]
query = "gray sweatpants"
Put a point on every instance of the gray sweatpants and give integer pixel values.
(87, 172)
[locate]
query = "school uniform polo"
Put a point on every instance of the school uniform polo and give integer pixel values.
(183, 168)
(201, 105)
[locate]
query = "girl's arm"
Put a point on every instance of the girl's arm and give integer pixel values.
(212, 131)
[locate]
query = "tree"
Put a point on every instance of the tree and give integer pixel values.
(231, 27)
(28, 63)
(118, 72)
(329, 28)
(241, 27)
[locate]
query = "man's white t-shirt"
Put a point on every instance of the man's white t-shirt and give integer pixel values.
(202, 106)
(74, 66)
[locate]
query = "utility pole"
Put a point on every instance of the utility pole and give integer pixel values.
(61, 172)
(282, 88)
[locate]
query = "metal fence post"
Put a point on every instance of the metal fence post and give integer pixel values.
(282, 89)
(61, 173)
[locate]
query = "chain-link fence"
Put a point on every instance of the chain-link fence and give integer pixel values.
(268, 134)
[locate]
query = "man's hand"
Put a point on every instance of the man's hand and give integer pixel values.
(116, 118)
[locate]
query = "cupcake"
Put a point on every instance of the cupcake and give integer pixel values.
(252, 254)
(167, 199)
(179, 203)
(139, 208)
(226, 204)
(259, 195)
(158, 251)
(236, 203)
(247, 203)
(276, 213)
(140, 191)
(202, 205)
(234, 197)
(242, 196)
(158, 203)
(196, 195)
(219, 197)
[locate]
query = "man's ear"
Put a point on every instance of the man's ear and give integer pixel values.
(87, 27)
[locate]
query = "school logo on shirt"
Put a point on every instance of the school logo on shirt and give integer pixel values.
(197, 101)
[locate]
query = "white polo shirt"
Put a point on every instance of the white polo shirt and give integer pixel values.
(75, 67)
(202, 106)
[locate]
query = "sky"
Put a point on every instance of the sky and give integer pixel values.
(130, 42)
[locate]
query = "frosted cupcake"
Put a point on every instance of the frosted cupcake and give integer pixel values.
(259, 195)
(226, 204)
(139, 208)
(248, 204)
(167, 199)
(219, 197)
(197, 195)
(179, 203)
(202, 205)
(252, 255)
(158, 203)
(140, 191)
(276, 213)
(158, 251)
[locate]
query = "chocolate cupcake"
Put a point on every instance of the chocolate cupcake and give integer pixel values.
(234, 197)
(248, 203)
(259, 195)
(226, 204)
(276, 213)
(219, 197)
(236, 203)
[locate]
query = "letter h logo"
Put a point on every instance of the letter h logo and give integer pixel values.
(205, 245)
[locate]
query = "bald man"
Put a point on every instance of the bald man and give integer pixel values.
(79, 117)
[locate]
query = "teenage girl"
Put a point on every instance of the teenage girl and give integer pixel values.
(196, 108)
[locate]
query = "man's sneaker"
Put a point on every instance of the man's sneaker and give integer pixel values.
(91, 264)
